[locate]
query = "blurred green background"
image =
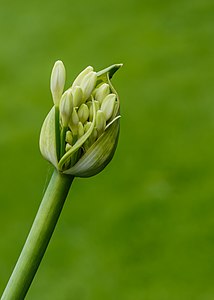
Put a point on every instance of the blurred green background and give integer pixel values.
(144, 228)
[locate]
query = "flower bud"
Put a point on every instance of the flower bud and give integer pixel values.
(73, 124)
(74, 117)
(80, 77)
(77, 96)
(57, 81)
(101, 92)
(80, 136)
(83, 113)
(66, 107)
(69, 137)
(108, 105)
(80, 130)
(100, 121)
(88, 84)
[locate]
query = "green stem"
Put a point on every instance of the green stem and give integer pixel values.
(38, 238)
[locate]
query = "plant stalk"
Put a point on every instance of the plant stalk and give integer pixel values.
(38, 238)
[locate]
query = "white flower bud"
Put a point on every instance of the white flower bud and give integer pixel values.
(108, 105)
(69, 137)
(83, 113)
(74, 117)
(77, 96)
(57, 81)
(101, 92)
(80, 77)
(88, 84)
(100, 121)
(66, 107)
(73, 124)
(80, 130)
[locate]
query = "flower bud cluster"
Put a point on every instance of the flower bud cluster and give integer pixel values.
(80, 117)
(76, 109)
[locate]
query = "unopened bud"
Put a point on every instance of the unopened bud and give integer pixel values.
(80, 77)
(83, 113)
(73, 124)
(87, 145)
(88, 84)
(66, 107)
(69, 137)
(101, 92)
(100, 121)
(80, 130)
(74, 117)
(108, 105)
(57, 81)
(77, 96)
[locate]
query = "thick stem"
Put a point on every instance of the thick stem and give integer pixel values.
(38, 238)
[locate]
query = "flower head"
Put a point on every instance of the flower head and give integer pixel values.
(80, 133)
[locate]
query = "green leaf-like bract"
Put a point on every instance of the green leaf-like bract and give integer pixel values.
(47, 140)
(98, 155)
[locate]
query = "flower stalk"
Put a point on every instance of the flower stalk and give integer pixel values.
(39, 237)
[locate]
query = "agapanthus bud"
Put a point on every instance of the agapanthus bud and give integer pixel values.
(101, 92)
(80, 77)
(74, 120)
(77, 96)
(66, 107)
(69, 137)
(80, 130)
(80, 137)
(107, 105)
(88, 84)
(74, 117)
(83, 113)
(57, 81)
(100, 121)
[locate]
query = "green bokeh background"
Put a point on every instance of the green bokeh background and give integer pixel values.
(144, 228)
